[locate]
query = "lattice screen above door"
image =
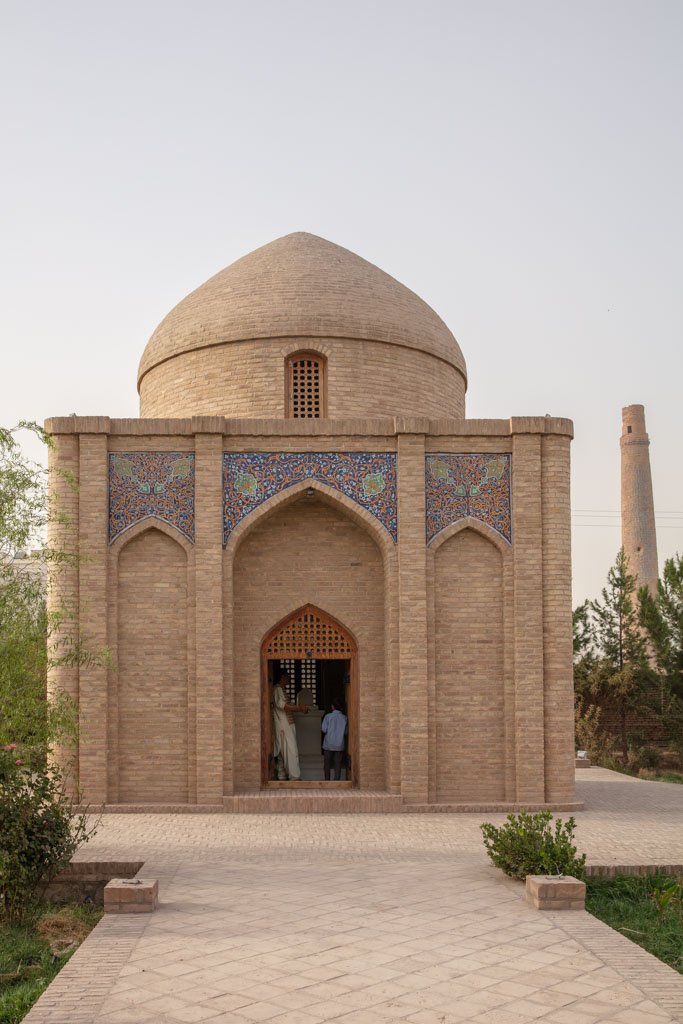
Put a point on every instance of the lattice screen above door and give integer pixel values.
(309, 634)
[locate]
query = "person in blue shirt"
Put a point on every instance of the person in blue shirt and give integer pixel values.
(334, 727)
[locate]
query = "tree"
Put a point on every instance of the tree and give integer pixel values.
(27, 629)
(661, 616)
(40, 831)
(621, 674)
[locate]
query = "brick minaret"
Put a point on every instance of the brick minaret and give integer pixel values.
(638, 534)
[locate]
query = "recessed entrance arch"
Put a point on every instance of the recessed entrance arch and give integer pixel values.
(306, 637)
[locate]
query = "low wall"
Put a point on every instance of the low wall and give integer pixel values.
(84, 881)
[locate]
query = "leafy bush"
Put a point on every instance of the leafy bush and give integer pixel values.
(39, 832)
(644, 757)
(588, 731)
(527, 844)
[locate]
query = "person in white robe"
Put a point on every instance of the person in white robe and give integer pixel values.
(285, 746)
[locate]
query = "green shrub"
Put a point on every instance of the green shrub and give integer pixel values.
(644, 757)
(527, 844)
(39, 832)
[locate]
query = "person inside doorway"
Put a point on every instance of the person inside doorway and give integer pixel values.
(335, 726)
(284, 731)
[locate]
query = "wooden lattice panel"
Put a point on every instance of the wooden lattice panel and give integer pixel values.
(310, 634)
(305, 386)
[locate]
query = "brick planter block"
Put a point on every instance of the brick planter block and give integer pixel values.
(547, 893)
(131, 896)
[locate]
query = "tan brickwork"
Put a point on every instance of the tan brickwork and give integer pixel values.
(544, 893)
(62, 535)
(413, 625)
(403, 622)
(209, 612)
(247, 379)
(469, 710)
(392, 751)
(464, 645)
(527, 545)
(308, 552)
(152, 670)
(92, 601)
(301, 286)
(638, 531)
(557, 618)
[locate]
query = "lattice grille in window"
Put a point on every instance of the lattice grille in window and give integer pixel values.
(288, 665)
(309, 635)
(305, 380)
(302, 676)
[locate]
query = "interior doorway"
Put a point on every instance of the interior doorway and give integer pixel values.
(320, 657)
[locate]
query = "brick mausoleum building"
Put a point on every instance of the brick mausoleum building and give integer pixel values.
(303, 490)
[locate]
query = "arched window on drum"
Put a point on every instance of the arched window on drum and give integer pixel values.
(305, 386)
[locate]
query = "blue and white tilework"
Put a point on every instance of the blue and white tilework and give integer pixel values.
(474, 485)
(368, 478)
(158, 485)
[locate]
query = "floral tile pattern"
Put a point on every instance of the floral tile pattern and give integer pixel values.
(476, 485)
(158, 485)
(368, 478)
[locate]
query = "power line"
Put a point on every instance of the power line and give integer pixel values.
(617, 511)
(617, 526)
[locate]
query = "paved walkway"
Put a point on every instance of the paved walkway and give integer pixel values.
(366, 920)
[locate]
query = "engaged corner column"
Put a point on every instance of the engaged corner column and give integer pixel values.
(62, 594)
(93, 708)
(557, 619)
(412, 558)
(209, 608)
(527, 547)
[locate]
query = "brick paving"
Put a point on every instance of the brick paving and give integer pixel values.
(366, 918)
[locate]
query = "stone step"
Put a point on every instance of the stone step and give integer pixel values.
(314, 801)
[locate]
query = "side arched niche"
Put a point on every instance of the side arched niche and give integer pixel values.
(152, 669)
(469, 645)
(307, 547)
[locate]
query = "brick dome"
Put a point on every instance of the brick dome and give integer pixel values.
(299, 287)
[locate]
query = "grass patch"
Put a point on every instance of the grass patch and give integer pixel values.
(649, 774)
(33, 953)
(664, 776)
(628, 905)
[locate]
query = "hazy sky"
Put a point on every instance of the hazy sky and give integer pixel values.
(517, 164)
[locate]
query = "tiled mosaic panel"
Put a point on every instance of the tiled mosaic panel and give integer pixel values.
(368, 478)
(476, 485)
(159, 485)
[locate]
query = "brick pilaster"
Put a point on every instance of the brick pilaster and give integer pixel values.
(413, 654)
(527, 540)
(557, 621)
(209, 608)
(93, 513)
(62, 596)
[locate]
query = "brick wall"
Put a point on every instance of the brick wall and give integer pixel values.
(62, 597)
(247, 379)
(483, 631)
(469, 705)
(557, 617)
(308, 552)
(152, 670)
(638, 531)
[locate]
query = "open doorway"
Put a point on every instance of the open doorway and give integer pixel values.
(316, 683)
(319, 656)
